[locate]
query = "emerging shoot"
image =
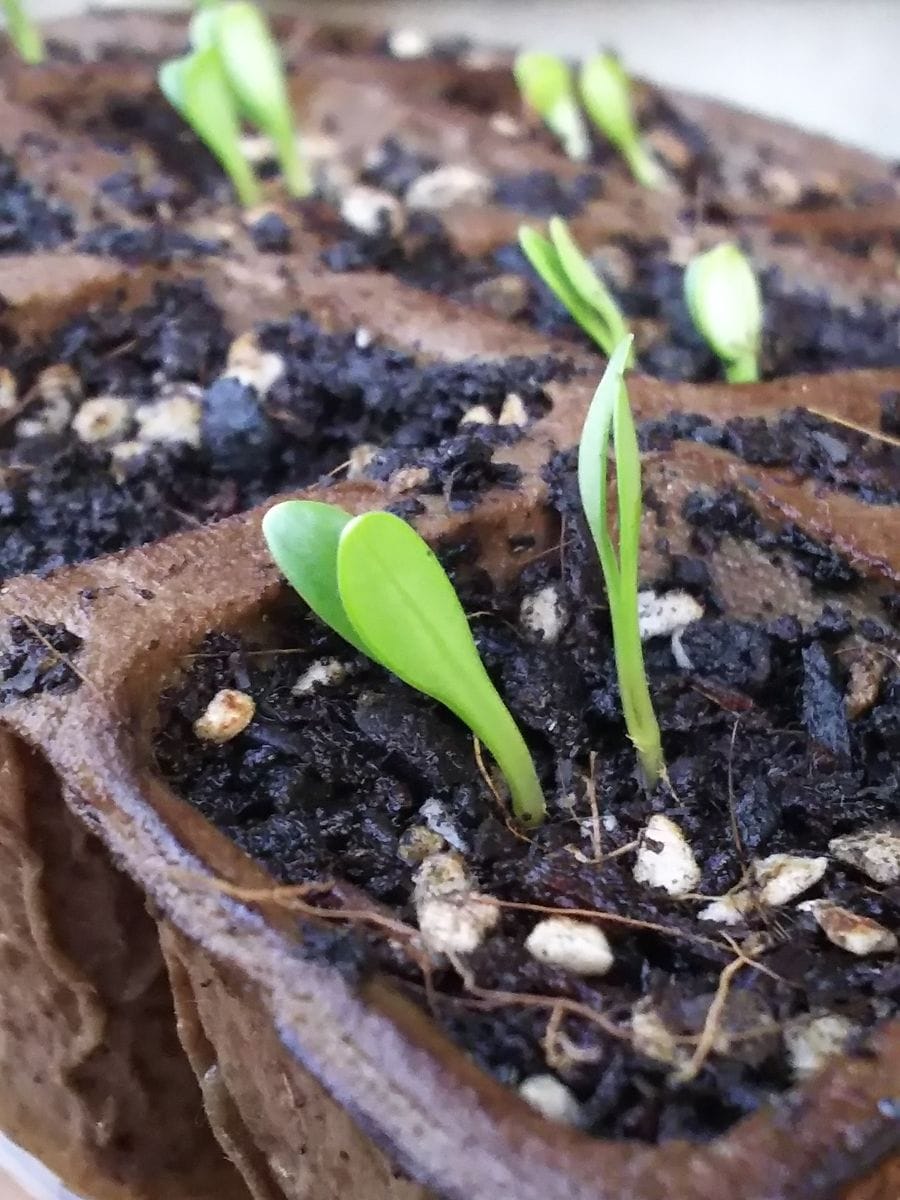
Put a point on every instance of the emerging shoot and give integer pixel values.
(547, 86)
(725, 303)
(609, 417)
(196, 86)
(572, 279)
(252, 66)
(606, 93)
(378, 584)
(23, 33)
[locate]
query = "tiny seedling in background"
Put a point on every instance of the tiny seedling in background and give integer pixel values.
(606, 93)
(572, 279)
(196, 87)
(609, 418)
(725, 303)
(23, 33)
(548, 88)
(379, 585)
(252, 65)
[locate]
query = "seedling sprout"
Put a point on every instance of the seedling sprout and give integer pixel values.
(569, 275)
(379, 585)
(606, 93)
(547, 86)
(609, 417)
(252, 66)
(725, 303)
(23, 33)
(235, 71)
(196, 86)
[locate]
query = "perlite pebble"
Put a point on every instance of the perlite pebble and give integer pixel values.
(253, 366)
(227, 714)
(9, 392)
(660, 616)
(513, 411)
(851, 932)
(172, 420)
(451, 918)
(551, 1098)
(875, 852)
(478, 414)
(776, 881)
(812, 1040)
(542, 614)
(324, 672)
(665, 859)
(408, 43)
(372, 211)
(102, 419)
(449, 185)
(575, 946)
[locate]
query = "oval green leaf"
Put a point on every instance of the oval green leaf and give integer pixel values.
(303, 536)
(402, 605)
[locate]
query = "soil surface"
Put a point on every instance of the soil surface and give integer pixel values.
(763, 758)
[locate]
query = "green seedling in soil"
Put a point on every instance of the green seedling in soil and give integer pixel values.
(609, 419)
(196, 86)
(23, 33)
(252, 66)
(547, 87)
(380, 586)
(606, 94)
(725, 303)
(572, 279)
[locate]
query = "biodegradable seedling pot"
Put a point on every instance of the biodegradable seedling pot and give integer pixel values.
(165, 1039)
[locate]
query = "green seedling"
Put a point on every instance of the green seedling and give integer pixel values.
(609, 418)
(606, 94)
(196, 86)
(379, 585)
(725, 303)
(23, 33)
(547, 86)
(572, 279)
(252, 65)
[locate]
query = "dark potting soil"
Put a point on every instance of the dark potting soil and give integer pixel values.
(804, 331)
(37, 659)
(29, 220)
(64, 501)
(329, 781)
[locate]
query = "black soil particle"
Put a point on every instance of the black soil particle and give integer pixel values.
(28, 220)
(329, 781)
(542, 194)
(157, 244)
(63, 501)
(37, 659)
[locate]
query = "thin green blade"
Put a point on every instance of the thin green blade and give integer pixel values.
(586, 282)
(253, 66)
(592, 461)
(399, 600)
(303, 536)
(543, 256)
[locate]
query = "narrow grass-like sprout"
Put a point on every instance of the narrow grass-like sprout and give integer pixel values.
(196, 86)
(609, 417)
(252, 66)
(547, 86)
(23, 33)
(606, 93)
(725, 303)
(378, 584)
(572, 279)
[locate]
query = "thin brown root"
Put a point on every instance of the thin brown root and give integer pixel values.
(878, 434)
(596, 840)
(735, 832)
(491, 787)
(559, 1049)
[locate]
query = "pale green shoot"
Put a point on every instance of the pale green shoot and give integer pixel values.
(547, 87)
(196, 86)
(379, 585)
(606, 93)
(23, 33)
(725, 303)
(609, 418)
(565, 270)
(252, 66)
